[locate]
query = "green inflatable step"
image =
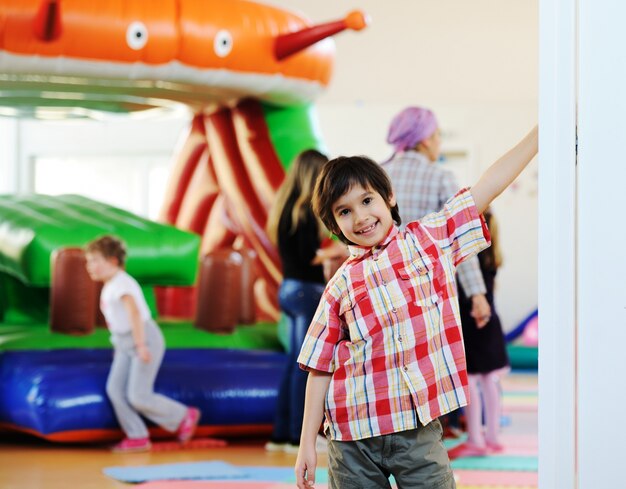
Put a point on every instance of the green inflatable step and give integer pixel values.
(259, 336)
(32, 227)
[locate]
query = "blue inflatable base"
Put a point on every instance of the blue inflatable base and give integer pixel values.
(57, 391)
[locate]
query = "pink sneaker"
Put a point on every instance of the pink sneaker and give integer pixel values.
(188, 425)
(130, 445)
(467, 450)
(494, 447)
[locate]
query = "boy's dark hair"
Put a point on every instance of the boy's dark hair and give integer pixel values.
(109, 247)
(338, 176)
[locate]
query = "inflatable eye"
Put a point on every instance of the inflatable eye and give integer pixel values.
(136, 35)
(223, 43)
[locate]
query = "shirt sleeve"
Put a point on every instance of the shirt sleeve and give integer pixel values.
(325, 331)
(458, 229)
(123, 286)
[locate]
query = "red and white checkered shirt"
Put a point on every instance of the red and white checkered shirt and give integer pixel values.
(388, 327)
(422, 187)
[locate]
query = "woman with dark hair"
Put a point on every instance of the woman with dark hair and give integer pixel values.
(299, 235)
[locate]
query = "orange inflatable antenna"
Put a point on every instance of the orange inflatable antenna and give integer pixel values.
(47, 25)
(293, 42)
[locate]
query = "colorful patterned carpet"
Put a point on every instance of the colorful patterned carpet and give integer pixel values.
(514, 468)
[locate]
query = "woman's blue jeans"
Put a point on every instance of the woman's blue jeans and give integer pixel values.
(298, 300)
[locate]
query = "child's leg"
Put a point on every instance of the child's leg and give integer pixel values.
(116, 387)
(418, 459)
(490, 387)
(474, 413)
(298, 382)
(287, 294)
(303, 308)
(353, 464)
(160, 409)
(280, 432)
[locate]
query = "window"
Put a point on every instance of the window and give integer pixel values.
(134, 183)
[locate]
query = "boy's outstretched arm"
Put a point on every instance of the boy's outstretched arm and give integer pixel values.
(316, 388)
(506, 169)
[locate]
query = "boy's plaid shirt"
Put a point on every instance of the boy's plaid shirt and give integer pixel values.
(388, 327)
(422, 187)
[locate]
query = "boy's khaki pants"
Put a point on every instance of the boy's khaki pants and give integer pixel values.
(417, 459)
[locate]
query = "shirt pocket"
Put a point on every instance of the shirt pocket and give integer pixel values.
(354, 310)
(418, 282)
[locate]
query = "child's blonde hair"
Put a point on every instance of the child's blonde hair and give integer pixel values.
(109, 247)
(299, 182)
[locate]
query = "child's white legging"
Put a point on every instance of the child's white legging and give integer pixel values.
(489, 385)
(130, 386)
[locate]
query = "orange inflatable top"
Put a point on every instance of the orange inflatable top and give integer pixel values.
(191, 51)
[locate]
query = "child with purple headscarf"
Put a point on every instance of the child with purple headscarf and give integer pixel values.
(412, 126)
(422, 187)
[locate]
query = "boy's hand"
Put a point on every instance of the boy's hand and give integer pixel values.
(481, 310)
(143, 353)
(305, 467)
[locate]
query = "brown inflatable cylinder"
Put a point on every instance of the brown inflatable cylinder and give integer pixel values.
(219, 291)
(247, 311)
(72, 294)
(100, 320)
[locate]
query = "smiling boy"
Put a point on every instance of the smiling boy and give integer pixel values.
(384, 351)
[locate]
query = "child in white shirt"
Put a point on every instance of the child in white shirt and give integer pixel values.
(138, 351)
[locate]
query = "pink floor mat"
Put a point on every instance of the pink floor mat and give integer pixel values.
(220, 485)
(484, 478)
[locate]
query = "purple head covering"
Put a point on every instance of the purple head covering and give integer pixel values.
(411, 126)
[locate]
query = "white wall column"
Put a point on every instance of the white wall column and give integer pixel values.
(601, 240)
(557, 245)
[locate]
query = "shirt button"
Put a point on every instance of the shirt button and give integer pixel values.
(405, 368)
(399, 338)
(394, 310)
(384, 282)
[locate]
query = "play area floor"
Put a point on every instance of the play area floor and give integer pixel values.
(26, 463)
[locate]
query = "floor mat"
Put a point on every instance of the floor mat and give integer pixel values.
(490, 478)
(209, 471)
(495, 487)
(221, 485)
(497, 462)
(223, 475)
(194, 470)
(273, 485)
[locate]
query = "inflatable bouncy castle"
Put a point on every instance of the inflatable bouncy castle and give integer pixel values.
(249, 73)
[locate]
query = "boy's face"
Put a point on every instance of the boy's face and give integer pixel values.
(363, 216)
(100, 268)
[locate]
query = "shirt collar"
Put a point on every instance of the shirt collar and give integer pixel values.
(360, 251)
